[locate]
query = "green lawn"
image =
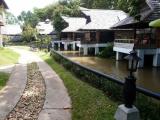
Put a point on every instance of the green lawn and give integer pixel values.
(3, 79)
(8, 56)
(88, 102)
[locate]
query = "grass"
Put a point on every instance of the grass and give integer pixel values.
(8, 56)
(3, 79)
(88, 103)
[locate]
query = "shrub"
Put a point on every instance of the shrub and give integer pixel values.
(107, 52)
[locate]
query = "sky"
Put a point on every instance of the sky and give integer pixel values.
(17, 6)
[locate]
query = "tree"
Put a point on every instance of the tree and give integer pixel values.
(70, 8)
(99, 4)
(28, 18)
(40, 13)
(29, 33)
(11, 19)
(55, 11)
(130, 6)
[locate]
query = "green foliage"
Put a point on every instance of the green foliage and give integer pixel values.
(99, 4)
(130, 6)
(3, 79)
(10, 18)
(6, 38)
(134, 7)
(107, 52)
(29, 33)
(28, 18)
(42, 42)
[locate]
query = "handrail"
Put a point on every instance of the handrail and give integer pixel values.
(111, 78)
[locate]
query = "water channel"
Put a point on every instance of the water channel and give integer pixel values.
(148, 77)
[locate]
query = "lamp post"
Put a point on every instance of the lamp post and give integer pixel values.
(128, 111)
(129, 90)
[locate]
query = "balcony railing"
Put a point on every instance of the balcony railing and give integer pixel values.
(124, 45)
(124, 40)
(127, 43)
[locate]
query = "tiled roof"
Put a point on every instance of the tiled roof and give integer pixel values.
(126, 21)
(11, 30)
(102, 19)
(74, 23)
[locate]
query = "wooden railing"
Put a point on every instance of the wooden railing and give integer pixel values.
(127, 43)
(124, 40)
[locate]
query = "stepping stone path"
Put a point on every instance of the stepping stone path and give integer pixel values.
(32, 99)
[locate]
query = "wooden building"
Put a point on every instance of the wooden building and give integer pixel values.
(97, 31)
(131, 33)
(70, 36)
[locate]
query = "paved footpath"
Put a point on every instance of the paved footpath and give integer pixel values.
(57, 104)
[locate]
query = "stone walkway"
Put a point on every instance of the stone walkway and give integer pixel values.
(57, 104)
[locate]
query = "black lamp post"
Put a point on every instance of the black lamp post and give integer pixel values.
(129, 90)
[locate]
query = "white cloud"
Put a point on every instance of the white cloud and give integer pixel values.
(16, 6)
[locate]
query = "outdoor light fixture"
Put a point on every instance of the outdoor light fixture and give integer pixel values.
(129, 90)
(133, 60)
(128, 111)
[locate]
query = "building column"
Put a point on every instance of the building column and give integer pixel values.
(73, 35)
(156, 60)
(97, 36)
(119, 56)
(96, 50)
(1, 45)
(85, 51)
(53, 45)
(80, 49)
(65, 46)
(59, 44)
(74, 46)
(1, 41)
(140, 54)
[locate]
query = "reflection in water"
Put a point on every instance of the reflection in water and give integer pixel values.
(148, 77)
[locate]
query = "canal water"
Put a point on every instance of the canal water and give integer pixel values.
(148, 77)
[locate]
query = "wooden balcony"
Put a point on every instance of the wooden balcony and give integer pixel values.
(124, 45)
(129, 43)
(92, 41)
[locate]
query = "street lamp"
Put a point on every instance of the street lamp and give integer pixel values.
(129, 90)
(127, 111)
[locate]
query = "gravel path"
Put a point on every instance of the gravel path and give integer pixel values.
(33, 97)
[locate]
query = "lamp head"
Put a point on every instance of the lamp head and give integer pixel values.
(133, 60)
